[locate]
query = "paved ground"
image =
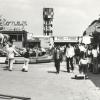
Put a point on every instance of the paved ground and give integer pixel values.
(42, 83)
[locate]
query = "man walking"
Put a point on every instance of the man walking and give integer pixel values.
(57, 58)
(95, 59)
(69, 57)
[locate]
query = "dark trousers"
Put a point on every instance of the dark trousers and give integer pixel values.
(57, 65)
(83, 68)
(69, 61)
(77, 59)
(95, 65)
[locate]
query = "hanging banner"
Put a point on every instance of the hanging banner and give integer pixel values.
(86, 39)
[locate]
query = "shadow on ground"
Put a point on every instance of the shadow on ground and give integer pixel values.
(52, 72)
(63, 71)
(10, 97)
(95, 78)
(5, 67)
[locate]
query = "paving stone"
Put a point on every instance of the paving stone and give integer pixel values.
(42, 83)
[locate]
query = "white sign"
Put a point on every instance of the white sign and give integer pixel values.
(8, 25)
(66, 39)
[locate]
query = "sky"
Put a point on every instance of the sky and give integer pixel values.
(71, 17)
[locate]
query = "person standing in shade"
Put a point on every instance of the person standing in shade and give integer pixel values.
(77, 54)
(57, 59)
(26, 55)
(95, 52)
(89, 58)
(10, 54)
(69, 57)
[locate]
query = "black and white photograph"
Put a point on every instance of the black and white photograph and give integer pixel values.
(49, 49)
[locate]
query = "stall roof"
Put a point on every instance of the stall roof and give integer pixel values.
(13, 32)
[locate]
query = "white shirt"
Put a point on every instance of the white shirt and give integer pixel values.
(82, 48)
(70, 52)
(95, 52)
(83, 61)
(89, 52)
(11, 52)
(1, 37)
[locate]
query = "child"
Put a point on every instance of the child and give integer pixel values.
(83, 66)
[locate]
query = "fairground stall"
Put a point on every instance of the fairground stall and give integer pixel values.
(15, 29)
(93, 31)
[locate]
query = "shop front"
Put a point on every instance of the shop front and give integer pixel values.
(15, 29)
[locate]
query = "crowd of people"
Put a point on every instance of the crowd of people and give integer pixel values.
(85, 56)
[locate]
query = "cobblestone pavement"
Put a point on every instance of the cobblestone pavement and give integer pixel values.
(42, 83)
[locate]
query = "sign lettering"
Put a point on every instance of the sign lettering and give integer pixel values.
(15, 23)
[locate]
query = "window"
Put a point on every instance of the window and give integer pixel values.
(13, 37)
(16, 37)
(19, 37)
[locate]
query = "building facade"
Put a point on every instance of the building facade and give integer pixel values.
(15, 30)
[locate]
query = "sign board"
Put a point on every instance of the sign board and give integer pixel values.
(66, 39)
(8, 25)
(14, 25)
